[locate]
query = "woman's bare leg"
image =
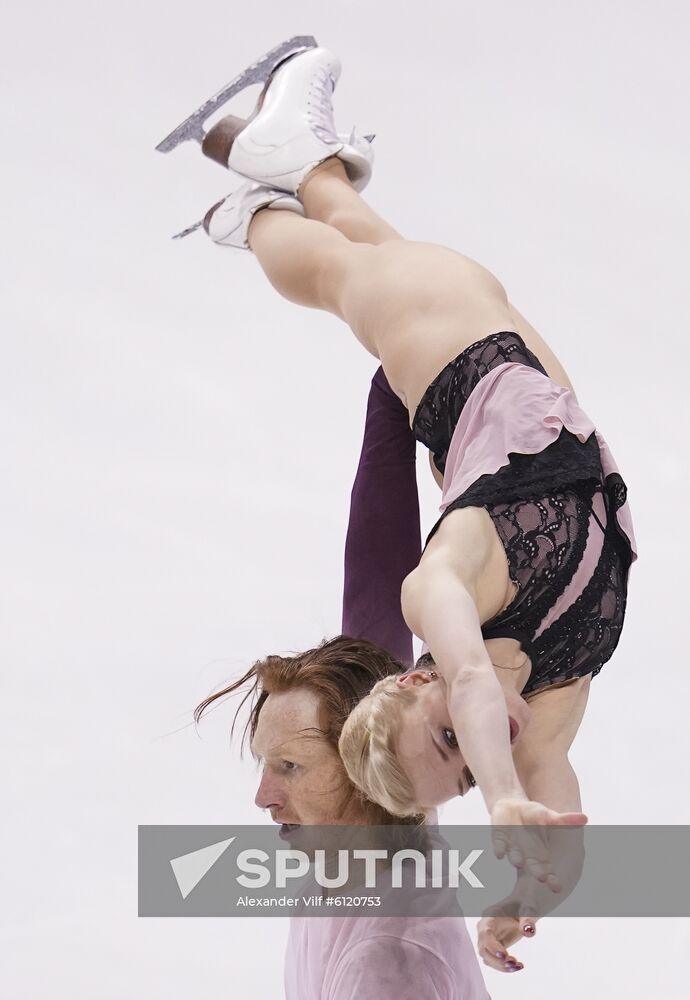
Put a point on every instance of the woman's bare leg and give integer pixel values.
(308, 262)
(413, 305)
(334, 201)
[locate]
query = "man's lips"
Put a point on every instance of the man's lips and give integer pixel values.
(287, 830)
(514, 729)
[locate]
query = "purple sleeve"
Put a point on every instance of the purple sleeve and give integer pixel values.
(383, 541)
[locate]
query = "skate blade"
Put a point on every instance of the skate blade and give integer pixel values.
(188, 230)
(258, 72)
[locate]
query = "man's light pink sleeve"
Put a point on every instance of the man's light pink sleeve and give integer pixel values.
(390, 968)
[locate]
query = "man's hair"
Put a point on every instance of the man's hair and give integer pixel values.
(341, 672)
(368, 748)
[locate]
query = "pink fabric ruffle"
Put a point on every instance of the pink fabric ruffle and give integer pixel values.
(517, 409)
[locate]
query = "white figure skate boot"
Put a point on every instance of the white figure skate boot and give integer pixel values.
(360, 146)
(292, 129)
(227, 222)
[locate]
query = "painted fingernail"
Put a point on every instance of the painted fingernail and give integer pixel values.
(500, 954)
(528, 929)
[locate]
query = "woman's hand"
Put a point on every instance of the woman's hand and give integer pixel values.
(520, 830)
(508, 921)
(496, 934)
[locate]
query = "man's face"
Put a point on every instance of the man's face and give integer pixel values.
(303, 780)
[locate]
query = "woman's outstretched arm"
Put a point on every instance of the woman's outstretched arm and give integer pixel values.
(383, 542)
(555, 784)
(441, 609)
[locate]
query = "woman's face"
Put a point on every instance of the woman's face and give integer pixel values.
(427, 747)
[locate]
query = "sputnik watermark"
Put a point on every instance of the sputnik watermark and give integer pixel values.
(258, 869)
(219, 871)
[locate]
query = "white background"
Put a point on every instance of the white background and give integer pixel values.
(179, 443)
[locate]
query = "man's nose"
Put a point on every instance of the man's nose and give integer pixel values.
(269, 794)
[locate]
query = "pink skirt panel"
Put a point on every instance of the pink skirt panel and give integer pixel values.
(517, 409)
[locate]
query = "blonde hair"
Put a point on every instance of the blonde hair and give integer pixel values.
(367, 746)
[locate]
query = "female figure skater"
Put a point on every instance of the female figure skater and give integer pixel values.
(521, 588)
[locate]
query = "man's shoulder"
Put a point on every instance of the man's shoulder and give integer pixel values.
(433, 951)
(390, 965)
(397, 957)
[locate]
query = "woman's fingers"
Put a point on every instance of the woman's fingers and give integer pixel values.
(535, 868)
(492, 951)
(520, 832)
(554, 883)
(507, 964)
(543, 871)
(526, 848)
(500, 841)
(569, 819)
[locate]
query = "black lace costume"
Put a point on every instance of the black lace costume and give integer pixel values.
(542, 508)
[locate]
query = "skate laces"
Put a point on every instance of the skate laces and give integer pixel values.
(320, 107)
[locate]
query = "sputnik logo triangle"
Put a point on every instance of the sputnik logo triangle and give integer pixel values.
(189, 869)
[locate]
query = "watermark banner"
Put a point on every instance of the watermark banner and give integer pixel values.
(433, 871)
